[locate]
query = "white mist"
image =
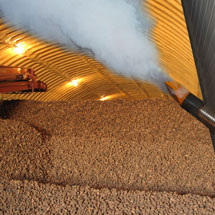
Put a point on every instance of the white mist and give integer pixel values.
(115, 32)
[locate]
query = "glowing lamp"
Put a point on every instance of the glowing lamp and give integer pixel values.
(73, 83)
(20, 48)
(104, 98)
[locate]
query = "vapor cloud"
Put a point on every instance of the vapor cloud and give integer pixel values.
(115, 32)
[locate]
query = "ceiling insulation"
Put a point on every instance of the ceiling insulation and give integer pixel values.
(58, 67)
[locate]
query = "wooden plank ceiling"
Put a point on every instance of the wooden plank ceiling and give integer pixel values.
(57, 67)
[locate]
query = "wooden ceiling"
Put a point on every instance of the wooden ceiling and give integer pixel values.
(57, 67)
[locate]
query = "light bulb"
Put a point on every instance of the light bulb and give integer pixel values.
(73, 83)
(104, 98)
(20, 48)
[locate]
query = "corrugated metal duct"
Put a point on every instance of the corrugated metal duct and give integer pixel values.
(57, 67)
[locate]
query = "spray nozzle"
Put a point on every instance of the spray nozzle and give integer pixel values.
(177, 91)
